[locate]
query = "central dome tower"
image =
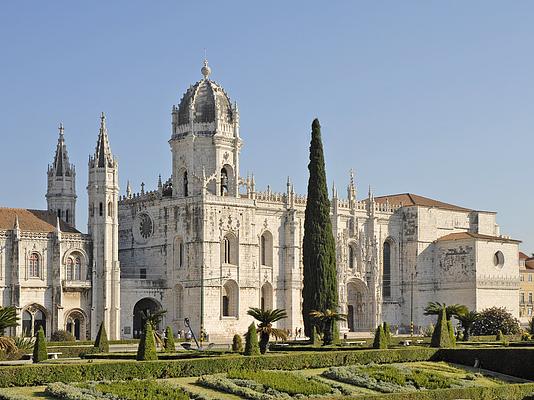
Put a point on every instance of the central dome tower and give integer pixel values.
(205, 141)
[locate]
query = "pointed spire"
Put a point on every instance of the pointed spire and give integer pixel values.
(16, 225)
(128, 190)
(142, 188)
(334, 190)
(351, 188)
(58, 225)
(160, 185)
(103, 154)
(61, 165)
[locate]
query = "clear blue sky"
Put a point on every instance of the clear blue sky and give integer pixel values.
(430, 97)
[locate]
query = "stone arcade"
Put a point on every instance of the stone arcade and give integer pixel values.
(207, 245)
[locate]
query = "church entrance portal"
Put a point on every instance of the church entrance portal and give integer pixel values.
(357, 307)
(143, 309)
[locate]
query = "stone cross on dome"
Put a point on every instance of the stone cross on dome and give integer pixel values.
(205, 70)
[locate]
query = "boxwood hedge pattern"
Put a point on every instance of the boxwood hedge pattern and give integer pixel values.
(31, 375)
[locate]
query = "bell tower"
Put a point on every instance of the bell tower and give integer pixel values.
(103, 193)
(61, 191)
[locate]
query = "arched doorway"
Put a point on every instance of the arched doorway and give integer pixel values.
(33, 317)
(75, 323)
(357, 307)
(143, 309)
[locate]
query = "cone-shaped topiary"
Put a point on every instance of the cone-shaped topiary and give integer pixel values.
(252, 348)
(381, 340)
(500, 336)
(451, 333)
(101, 342)
(320, 289)
(441, 336)
(315, 337)
(147, 345)
(39, 348)
(387, 331)
(237, 344)
(169, 340)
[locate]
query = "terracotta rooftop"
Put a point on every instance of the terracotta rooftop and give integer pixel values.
(523, 256)
(529, 264)
(471, 235)
(410, 199)
(32, 220)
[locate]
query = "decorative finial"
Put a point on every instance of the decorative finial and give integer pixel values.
(61, 129)
(142, 187)
(128, 190)
(206, 70)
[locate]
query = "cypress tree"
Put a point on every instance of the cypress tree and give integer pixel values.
(101, 341)
(381, 340)
(319, 254)
(450, 327)
(237, 344)
(169, 340)
(252, 348)
(441, 336)
(39, 348)
(146, 351)
(387, 331)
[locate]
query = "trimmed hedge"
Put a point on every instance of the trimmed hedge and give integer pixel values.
(524, 391)
(517, 362)
(39, 374)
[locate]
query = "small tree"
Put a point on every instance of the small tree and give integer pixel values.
(252, 347)
(493, 319)
(237, 344)
(40, 352)
(381, 340)
(441, 335)
(147, 345)
(387, 331)
(266, 319)
(101, 342)
(452, 336)
(500, 336)
(467, 321)
(327, 321)
(315, 338)
(170, 347)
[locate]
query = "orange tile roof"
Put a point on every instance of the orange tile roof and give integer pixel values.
(523, 256)
(529, 264)
(471, 235)
(410, 199)
(32, 220)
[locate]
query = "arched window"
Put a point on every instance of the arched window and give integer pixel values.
(100, 209)
(33, 318)
(77, 268)
(266, 249)
(70, 269)
(110, 209)
(386, 270)
(266, 301)
(185, 183)
(179, 253)
(35, 266)
(229, 250)
(229, 299)
(75, 323)
(67, 216)
(224, 182)
(59, 213)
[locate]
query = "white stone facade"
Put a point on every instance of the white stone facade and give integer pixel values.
(207, 245)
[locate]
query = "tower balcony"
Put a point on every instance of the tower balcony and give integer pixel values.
(76, 286)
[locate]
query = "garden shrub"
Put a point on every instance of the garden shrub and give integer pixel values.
(387, 331)
(101, 342)
(441, 336)
(39, 374)
(315, 338)
(237, 344)
(493, 319)
(283, 381)
(146, 351)
(381, 341)
(252, 347)
(500, 336)
(39, 348)
(170, 346)
(450, 327)
(140, 390)
(62, 336)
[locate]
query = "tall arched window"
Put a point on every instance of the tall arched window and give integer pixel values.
(266, 300)
(229, 299)
(35, 266)
(70, 269)
(229, 249)
(67, 216)
(224, 182)
(77, 268)
(185, 183)
(110, 209)
(386, 270)
(100, 209)
(266, 249)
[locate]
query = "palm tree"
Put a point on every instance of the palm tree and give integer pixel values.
(325, 320)
(467, 320)
(453, 310)
(265, 327)
(8, 318)
(154, 319)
